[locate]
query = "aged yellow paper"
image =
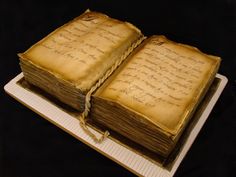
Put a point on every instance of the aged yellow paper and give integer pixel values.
(83, 49)
(162, 81)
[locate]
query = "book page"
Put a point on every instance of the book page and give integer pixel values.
(162, 81)
(83, 49)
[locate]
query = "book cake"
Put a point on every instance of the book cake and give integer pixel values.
(144, 89)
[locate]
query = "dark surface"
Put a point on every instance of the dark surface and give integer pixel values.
(32, 147)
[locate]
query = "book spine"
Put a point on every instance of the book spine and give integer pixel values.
(108, 73)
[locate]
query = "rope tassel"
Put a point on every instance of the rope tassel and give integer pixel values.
(91, 134)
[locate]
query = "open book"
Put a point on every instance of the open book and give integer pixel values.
(146, 90)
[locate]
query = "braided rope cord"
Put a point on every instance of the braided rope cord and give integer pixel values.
(83, 116)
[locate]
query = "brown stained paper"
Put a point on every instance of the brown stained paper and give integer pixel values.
(82, 50)
(161, 81)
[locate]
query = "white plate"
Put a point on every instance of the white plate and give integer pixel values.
(124, 156)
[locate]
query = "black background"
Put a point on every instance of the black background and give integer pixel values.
(32, 147)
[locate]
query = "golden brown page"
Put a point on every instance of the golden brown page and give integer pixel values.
(162, 81)
(83, 49)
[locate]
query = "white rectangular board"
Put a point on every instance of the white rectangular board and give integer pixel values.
(117, 152)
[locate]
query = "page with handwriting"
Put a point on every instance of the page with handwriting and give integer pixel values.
(162, 81)
(82, 50)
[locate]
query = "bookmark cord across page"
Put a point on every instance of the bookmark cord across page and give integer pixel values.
(82, 117)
